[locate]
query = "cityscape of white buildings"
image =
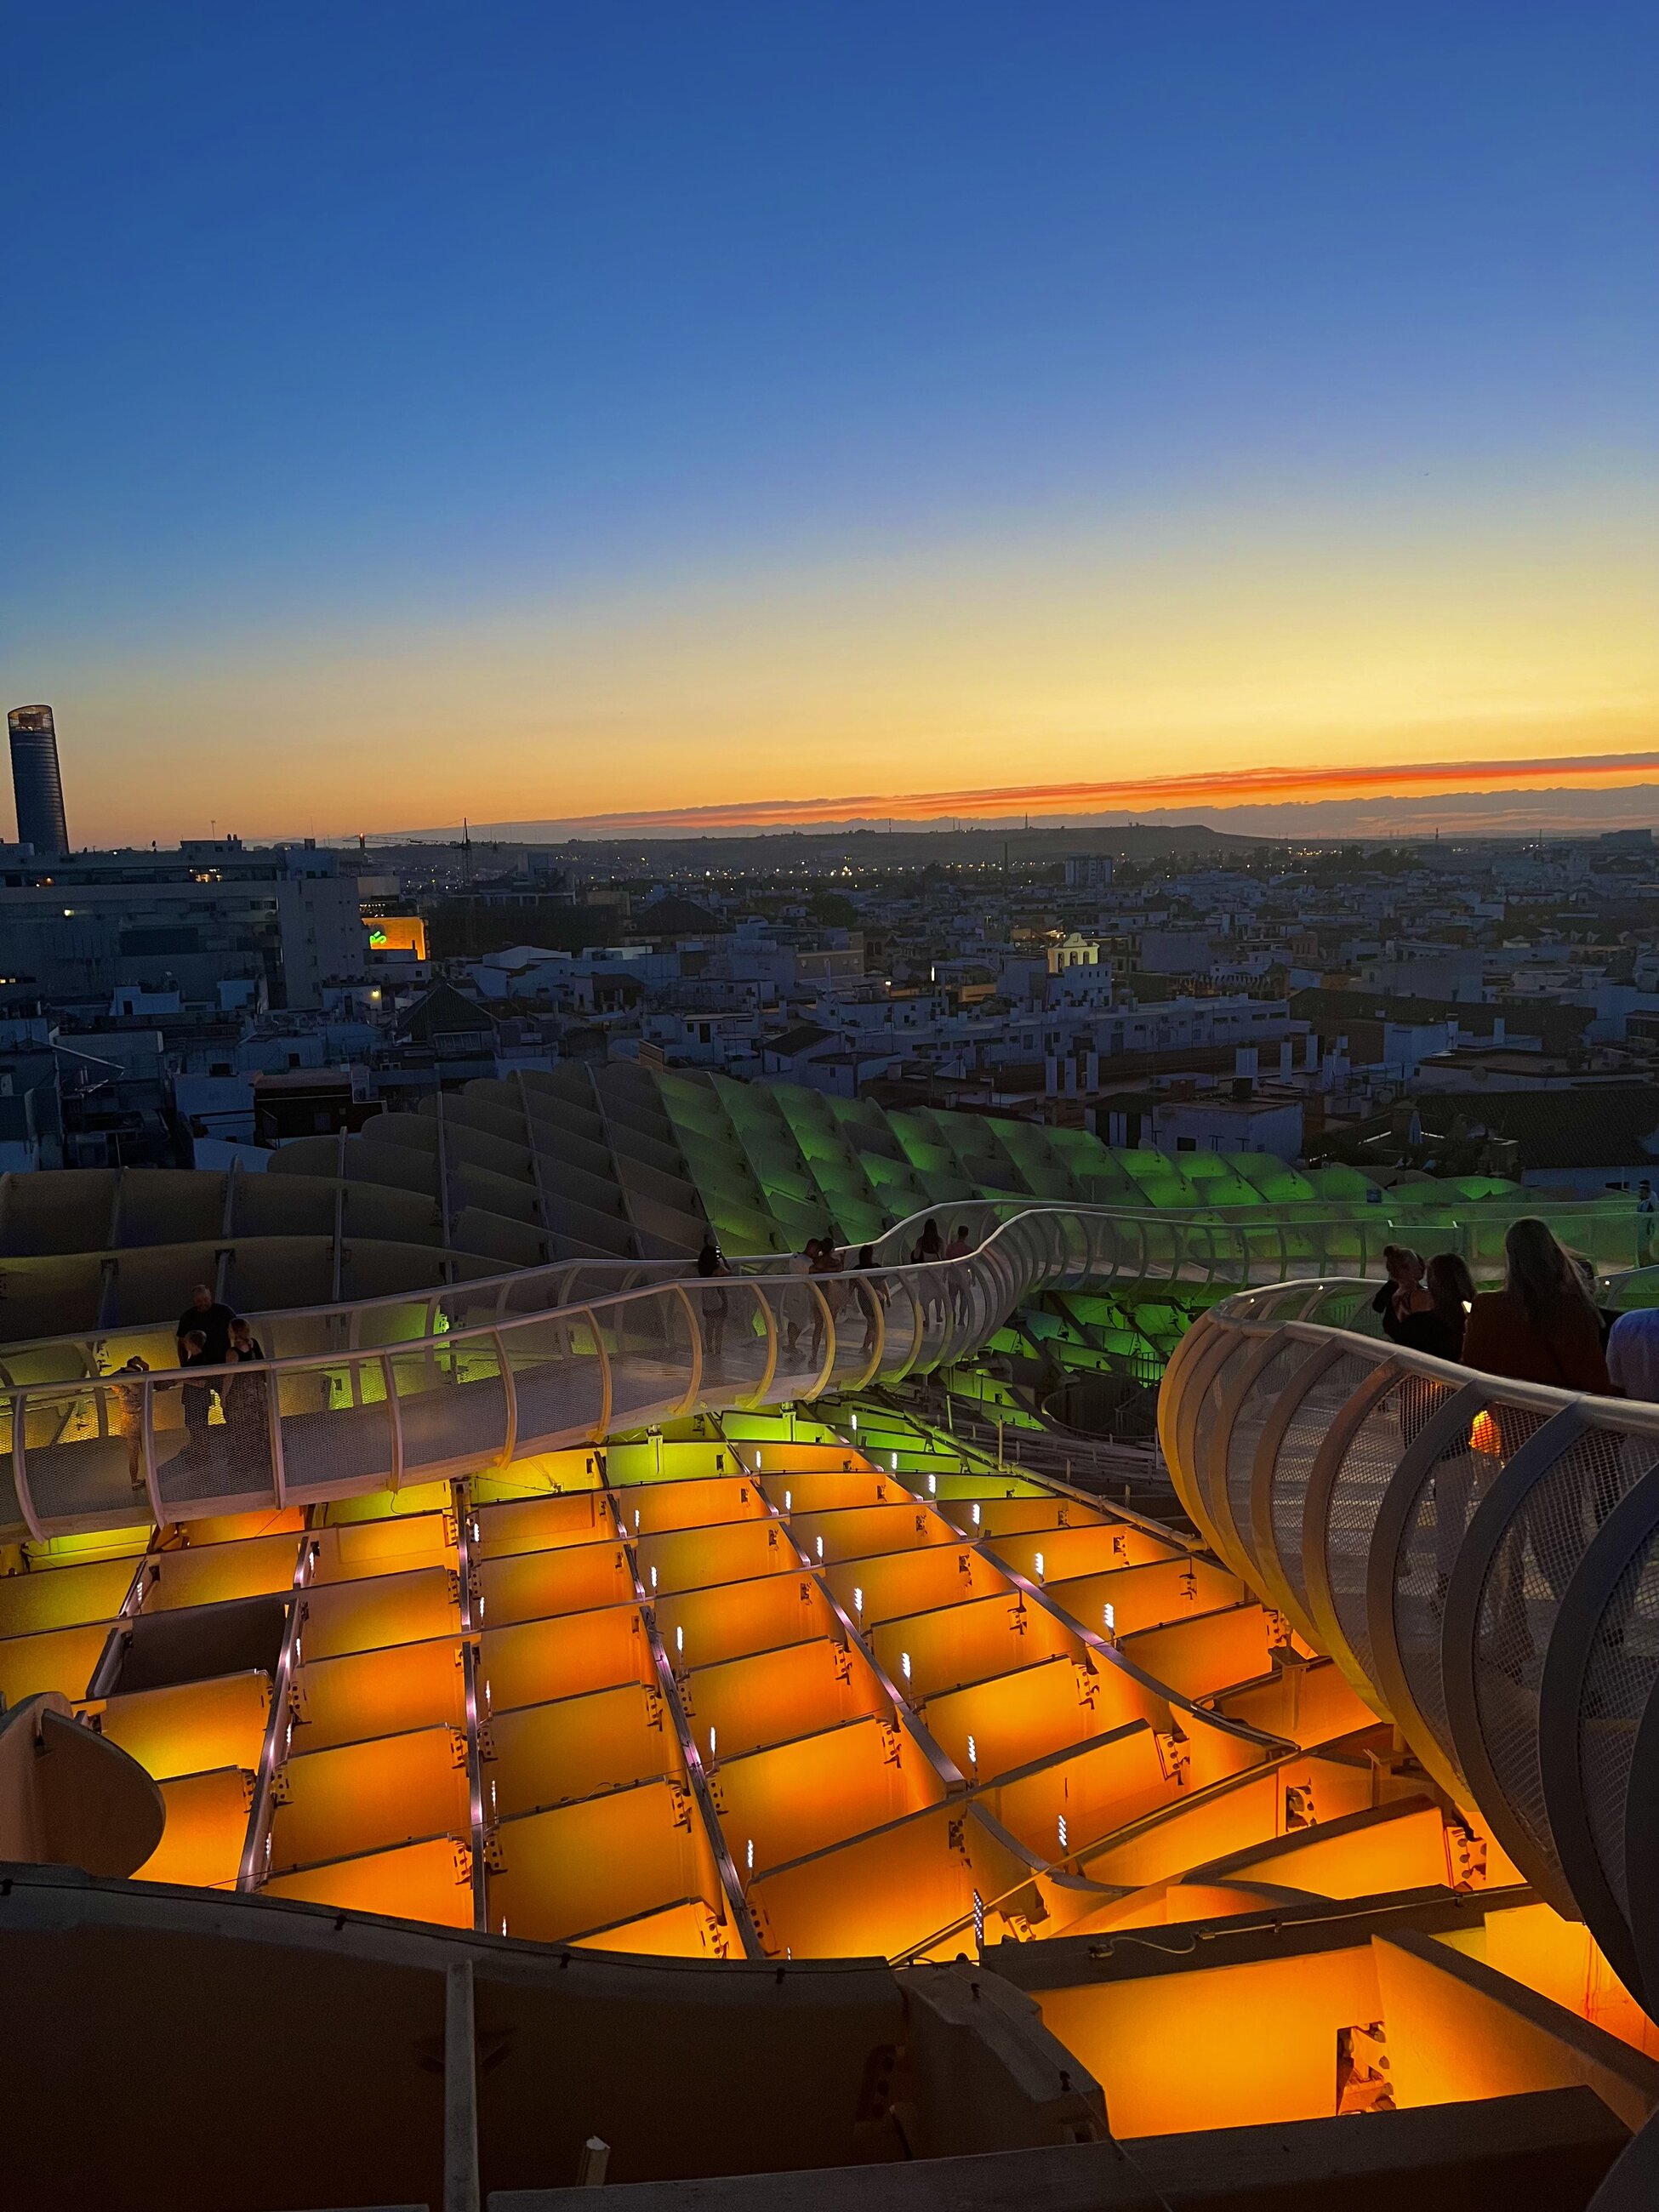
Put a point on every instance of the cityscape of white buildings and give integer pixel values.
(1479, 1006)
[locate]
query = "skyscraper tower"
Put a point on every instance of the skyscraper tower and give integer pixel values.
(36, 784)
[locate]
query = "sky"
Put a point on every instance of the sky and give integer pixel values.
(557, 411)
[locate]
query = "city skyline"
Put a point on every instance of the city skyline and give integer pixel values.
(779, 411)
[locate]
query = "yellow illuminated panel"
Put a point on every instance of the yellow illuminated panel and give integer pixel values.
(383, 1547)
(190, 1727)
(65, 1598)
(541, 1524)
(260, 1567)
(61, 1659)
(361, 1616)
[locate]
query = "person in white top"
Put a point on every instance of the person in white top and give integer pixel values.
(1633, 1354)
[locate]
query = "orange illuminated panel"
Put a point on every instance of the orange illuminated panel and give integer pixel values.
(546, 1755)
(862, 1531)
(1146, 1596)
(690, 1929)
(541, 1524)
(1307, 1705)
(366, 1796)
(1065, 1554)
(927, 1652)
(364, 1616)
(1213, 1828)
(391, 1546)
(914, 1582)
(1400, 1846)
(384, 1692)
(774, 1695)
(193, 1726)
(1098, 1788)
(650, 1508)
(1197, 1658)
(530, 1662)
(237, 1528)
(599, 1863)
(396, 932)
(882, 1892)
(529, 1585)
(1025, 1715)
(207, 1574)
(61, 1659)
(1013, 1517)
(698, 1627)
(206, 1827)
(834, 1492)
(693, 1559)
(430, 1881)
(65, 1598)
(779, 1804)
(1234, 2046)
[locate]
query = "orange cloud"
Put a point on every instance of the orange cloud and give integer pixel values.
(1212, 787)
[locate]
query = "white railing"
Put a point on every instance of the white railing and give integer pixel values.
(1479, 1556)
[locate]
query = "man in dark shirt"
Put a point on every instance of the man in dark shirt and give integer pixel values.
(206, 1314)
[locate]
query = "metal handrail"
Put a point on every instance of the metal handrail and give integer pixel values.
(1188, 1248)
(1479, 1556)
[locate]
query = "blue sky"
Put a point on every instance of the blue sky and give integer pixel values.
(355, 340)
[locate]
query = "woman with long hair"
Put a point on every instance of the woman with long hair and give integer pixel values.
(1542, 1326)
(1433, 1317)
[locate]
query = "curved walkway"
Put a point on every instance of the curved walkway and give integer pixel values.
(1480, 1557)
(354, 1397)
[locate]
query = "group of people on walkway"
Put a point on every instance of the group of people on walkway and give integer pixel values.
(208, 1334)
(819, 1257)
(1542, 1326)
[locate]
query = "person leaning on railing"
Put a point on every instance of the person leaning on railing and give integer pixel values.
(1542, 1326)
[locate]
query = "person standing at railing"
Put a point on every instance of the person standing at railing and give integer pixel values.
(1542, 1326)
(1433, 1317)
(243, 1396)
(205, 1313)
(130, 1419)
(1647, 1220)
(711, 1263)
(196, 1400)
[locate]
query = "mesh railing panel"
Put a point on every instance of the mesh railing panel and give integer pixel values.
(1437, 1520)
(1620, 1677)
(1294, 1460)
(1528, 1577)
(336, 1427)
(1368, 1467)
(1248, 1424)
(1215, 1397)
(558, 1379)
(451, 1405)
